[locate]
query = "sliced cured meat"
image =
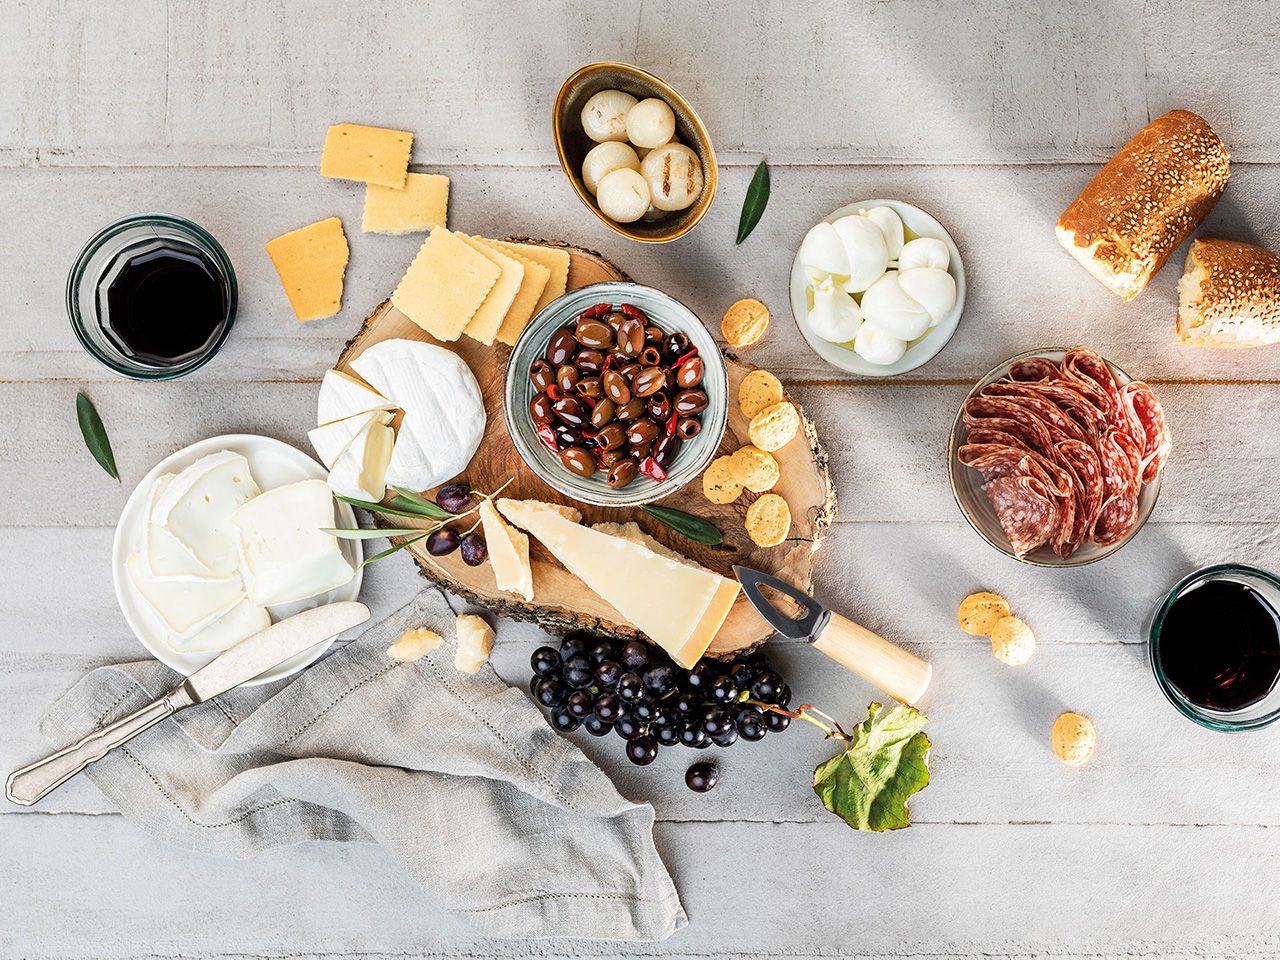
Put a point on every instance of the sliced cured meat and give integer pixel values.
(993, 460)
(1034, 368)
(1026, 435)
(1026, 510)
(1087, 467)
(1090, 370)
(1117, 517)
(1061, 426)
(1139, 399)
(1037, 431)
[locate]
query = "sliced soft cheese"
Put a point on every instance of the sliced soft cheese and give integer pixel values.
(239, 623)
(475, 643)
(343, 396)
(444, 416)
(677, 606)
(163, 554)
(508, 553)
(361, 470)
(197, 504)
(284, 555)
(332, 440)
(186, 606)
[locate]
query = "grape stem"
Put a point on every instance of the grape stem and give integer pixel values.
(441, 524)
(824, 722)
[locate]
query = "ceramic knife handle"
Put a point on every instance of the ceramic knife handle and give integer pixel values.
(37, 780)
(898, 673)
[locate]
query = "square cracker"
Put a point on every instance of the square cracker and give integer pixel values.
(371, 154)
(421, 205)
(445, 285)
(311, 262)
(554, 259)
(486, 321)
(526, 300)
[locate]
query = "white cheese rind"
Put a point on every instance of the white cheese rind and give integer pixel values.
(342, 396)
(332, 440)
(197, 504)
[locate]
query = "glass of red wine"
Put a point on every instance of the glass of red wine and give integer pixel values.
(152, 296)
(1215, 647)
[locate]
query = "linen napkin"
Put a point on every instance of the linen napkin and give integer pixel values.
(458, 777)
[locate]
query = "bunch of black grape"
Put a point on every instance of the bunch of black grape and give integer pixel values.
(635, 690)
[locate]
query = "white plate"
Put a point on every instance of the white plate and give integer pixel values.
(273, 464)
(920, 351)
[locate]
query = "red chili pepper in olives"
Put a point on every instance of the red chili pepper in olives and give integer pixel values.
(634, 312)
(650, 468)
(599, 310)
(547, 434)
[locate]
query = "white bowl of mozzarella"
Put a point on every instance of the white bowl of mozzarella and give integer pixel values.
(877, 287)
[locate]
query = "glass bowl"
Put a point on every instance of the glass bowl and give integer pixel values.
(109, 248)
(966, 483)
(673, 317)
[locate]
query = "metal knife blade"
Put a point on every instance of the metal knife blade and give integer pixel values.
(808, 626)
(274, 645)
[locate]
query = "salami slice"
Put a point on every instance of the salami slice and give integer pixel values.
(1061, 426)
(1028, 514)
(1034, 369)
(1039, 437)
(1087, 467)
(1145, 409)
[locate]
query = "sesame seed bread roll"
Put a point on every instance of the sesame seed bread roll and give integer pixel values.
(1229, 295)
(1146, 200)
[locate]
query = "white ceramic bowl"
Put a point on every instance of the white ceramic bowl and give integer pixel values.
(919, 351)
(273, 464)
(966, 483)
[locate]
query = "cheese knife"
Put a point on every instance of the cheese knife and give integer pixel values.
(246, 660)
(902, 675)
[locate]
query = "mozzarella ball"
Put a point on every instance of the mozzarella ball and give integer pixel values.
(650, 123)
(605, 115)
(604, 158)
(674, 174)
(887, 306)
(822, 252)
(623, 196)
(868, 255)
(890, 225)
(924, 252)
(875, 346)
(834, 317)
(933, 289)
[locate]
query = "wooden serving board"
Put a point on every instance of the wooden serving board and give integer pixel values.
(561, 601)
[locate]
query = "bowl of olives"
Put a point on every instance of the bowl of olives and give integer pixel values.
(616, 395)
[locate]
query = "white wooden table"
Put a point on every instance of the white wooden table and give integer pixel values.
(992, 118)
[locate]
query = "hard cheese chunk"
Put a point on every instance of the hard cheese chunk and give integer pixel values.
(523, 306)
(475, 643)
(284, 556)
(484, 324)
(371, 154)
(311, 262)
(186, 606)
(342, 396)
(678, 606)
(445, 285)
(508, 553)
(421, 205)
(332, 440)
(555, 259)
(197, 504)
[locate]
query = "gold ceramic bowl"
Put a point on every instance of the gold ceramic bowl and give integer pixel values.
(572, 143)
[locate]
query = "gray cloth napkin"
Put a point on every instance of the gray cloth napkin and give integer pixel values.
(458, 777)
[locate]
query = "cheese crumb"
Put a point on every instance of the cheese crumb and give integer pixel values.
(475, 643)
(1073, 738)
(414, 644)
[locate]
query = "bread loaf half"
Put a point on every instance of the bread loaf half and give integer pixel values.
(1146, 200)
(1229, 295)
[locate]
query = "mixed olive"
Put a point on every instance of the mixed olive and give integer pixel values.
(618, 394)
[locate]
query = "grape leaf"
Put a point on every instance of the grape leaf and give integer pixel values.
(884, 763)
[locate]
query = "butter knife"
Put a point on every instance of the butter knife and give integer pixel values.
(902, 675)
(246, 660)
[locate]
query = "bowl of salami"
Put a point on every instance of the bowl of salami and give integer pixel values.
(1056, 456)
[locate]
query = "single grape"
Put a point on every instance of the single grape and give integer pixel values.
(777, 722)
(634, 656)
(784, 698)
(701, 677)
(724, 690)
(760, 663)
(742, 676)
(629, 726)
(659, 680)
(442, 542)
(716, 721)
(595, 726)
(644, 709)
(565, 721)
(751, 723)
(580, 704)
(545, 662)
(664, 712)
(686, 704)
(474, 550)
(454, 497)
(726, 739)
(608, 707)
(578, 673)
(549, 691)
(667, 734)
(701, 777)
(766, 688)
(694, 737)
(608, 672)
(574, 645)
(630, 687)
(600, 653)
(642, 751)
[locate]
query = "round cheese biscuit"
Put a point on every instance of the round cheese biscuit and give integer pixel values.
(1074, 738)
(754, 469)
(744, 323)
(768, 520)
(718, 483)
(979, 612)
(1012, 641)
(774, 427)
(759, 389)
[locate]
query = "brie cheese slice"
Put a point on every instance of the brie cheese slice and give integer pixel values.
(284, 555)
(197, 504)
(239, 623)
(163, 554)
(332, 440)
(444, 416)
(342, 396)
(186, 606)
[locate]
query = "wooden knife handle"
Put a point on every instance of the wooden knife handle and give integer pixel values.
(902, 675)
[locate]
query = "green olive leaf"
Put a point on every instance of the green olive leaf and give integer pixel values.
(95, 436)
(408, 500)
(753, 204)
(695, 528)
(367, 533)
(416, 513)
(386, 553)
(885, 763)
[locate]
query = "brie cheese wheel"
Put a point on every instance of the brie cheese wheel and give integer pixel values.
(933, 289)
(444, 414)
(332, 439)
(239, 623)
(284, 554)
(924, 252)
(163, 554)
(361, 470)
(343, 396)
(196, 507)
(887, 306)
(186, 606)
